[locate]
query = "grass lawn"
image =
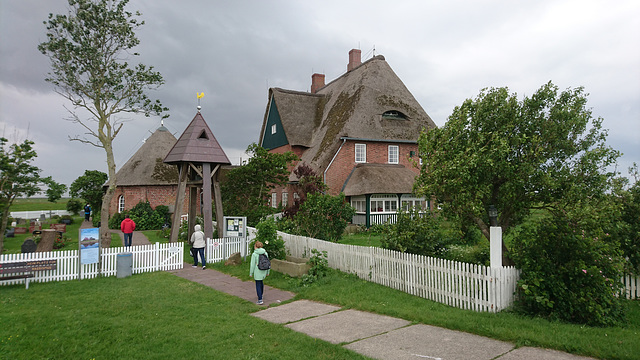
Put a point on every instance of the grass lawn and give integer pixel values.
(145, 316)
(36, 204)
(362, 239)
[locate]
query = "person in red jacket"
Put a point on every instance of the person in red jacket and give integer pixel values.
(127, 226)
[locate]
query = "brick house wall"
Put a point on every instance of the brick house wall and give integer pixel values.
(155, 194)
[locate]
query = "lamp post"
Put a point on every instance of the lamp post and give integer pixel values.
(495, 238)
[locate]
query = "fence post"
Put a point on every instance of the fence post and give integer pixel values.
(495, 246)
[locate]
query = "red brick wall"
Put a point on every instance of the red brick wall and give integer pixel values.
(156, 195)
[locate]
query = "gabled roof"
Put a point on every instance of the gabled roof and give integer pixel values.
(197, 144)
(145, 167)
(350, 106)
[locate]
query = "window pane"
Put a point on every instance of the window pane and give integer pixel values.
(393, 154)
(361, 153)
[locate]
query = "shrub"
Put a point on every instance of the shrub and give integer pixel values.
(143, 215)
(74, 206)
(324, 216)
(419, 233)
(67, 219)
(319, 267)
(569, 273)
(268, 236)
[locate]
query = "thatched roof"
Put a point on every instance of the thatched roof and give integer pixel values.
(350, 106)
(145, 167)
(379, 179)
(198, 145)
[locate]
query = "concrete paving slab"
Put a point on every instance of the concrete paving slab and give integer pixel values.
(526, 353)
(347, 326)
(430, 342)
(295, 311)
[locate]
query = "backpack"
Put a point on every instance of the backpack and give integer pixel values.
(263, 262)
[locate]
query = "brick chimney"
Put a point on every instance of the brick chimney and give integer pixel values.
(354, 59)
(317, 82)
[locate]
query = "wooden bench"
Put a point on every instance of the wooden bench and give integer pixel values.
(25, 269)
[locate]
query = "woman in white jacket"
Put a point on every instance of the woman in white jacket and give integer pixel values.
(198, 244)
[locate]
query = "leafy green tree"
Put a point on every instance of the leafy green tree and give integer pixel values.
(324, 216)
(546, 151)
(89, 48)
(246, 190)
(630, 227)
(18, 177)
(55, 190)
(74, 206)
(90, 187)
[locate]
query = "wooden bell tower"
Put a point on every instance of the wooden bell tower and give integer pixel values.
(198, 156)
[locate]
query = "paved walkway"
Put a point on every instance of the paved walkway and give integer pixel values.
(373, 335)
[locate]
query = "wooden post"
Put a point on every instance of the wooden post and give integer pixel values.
(218, 202)
(177, 211)
(206, 201)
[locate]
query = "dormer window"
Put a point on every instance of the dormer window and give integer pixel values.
(273, 129)
(394, 114)
(203, 135)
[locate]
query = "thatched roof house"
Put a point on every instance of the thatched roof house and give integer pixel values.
(145, 177)
(359, 131)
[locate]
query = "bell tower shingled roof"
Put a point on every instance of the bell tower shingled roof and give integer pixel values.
(197, 144)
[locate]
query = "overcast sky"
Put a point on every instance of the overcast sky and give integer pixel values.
(233, 51)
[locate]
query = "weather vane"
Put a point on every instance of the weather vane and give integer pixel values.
(199, 96)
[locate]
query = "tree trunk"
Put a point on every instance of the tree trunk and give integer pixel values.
(105, 236)
(3, 228)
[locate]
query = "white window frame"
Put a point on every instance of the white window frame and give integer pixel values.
(121, 203)
(361, 153)
(274, 199)
(384, 203)
(285, 198)
(394, 154)
(274, 129)
(359, 203)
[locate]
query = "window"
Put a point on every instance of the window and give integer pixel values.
(359, 203)
(121, 203)
(285, 198)
(273, 129)
(393, 114)
(384, 203)
(296, 196)
(393, 154)
(361, 153)
(274, 200)
(410, 201)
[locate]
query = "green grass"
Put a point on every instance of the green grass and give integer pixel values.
(36, 204)
(145, 316)
(362, 239)
(350, 292)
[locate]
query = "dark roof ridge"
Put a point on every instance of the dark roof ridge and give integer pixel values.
(377, 57)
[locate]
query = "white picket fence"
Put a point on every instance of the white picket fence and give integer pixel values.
(145, 258)
(631, 287)
(220, 249)
(457, 284)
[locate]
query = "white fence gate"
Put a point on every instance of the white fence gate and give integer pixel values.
(457, 284)
(146, 258)
(220, 249)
